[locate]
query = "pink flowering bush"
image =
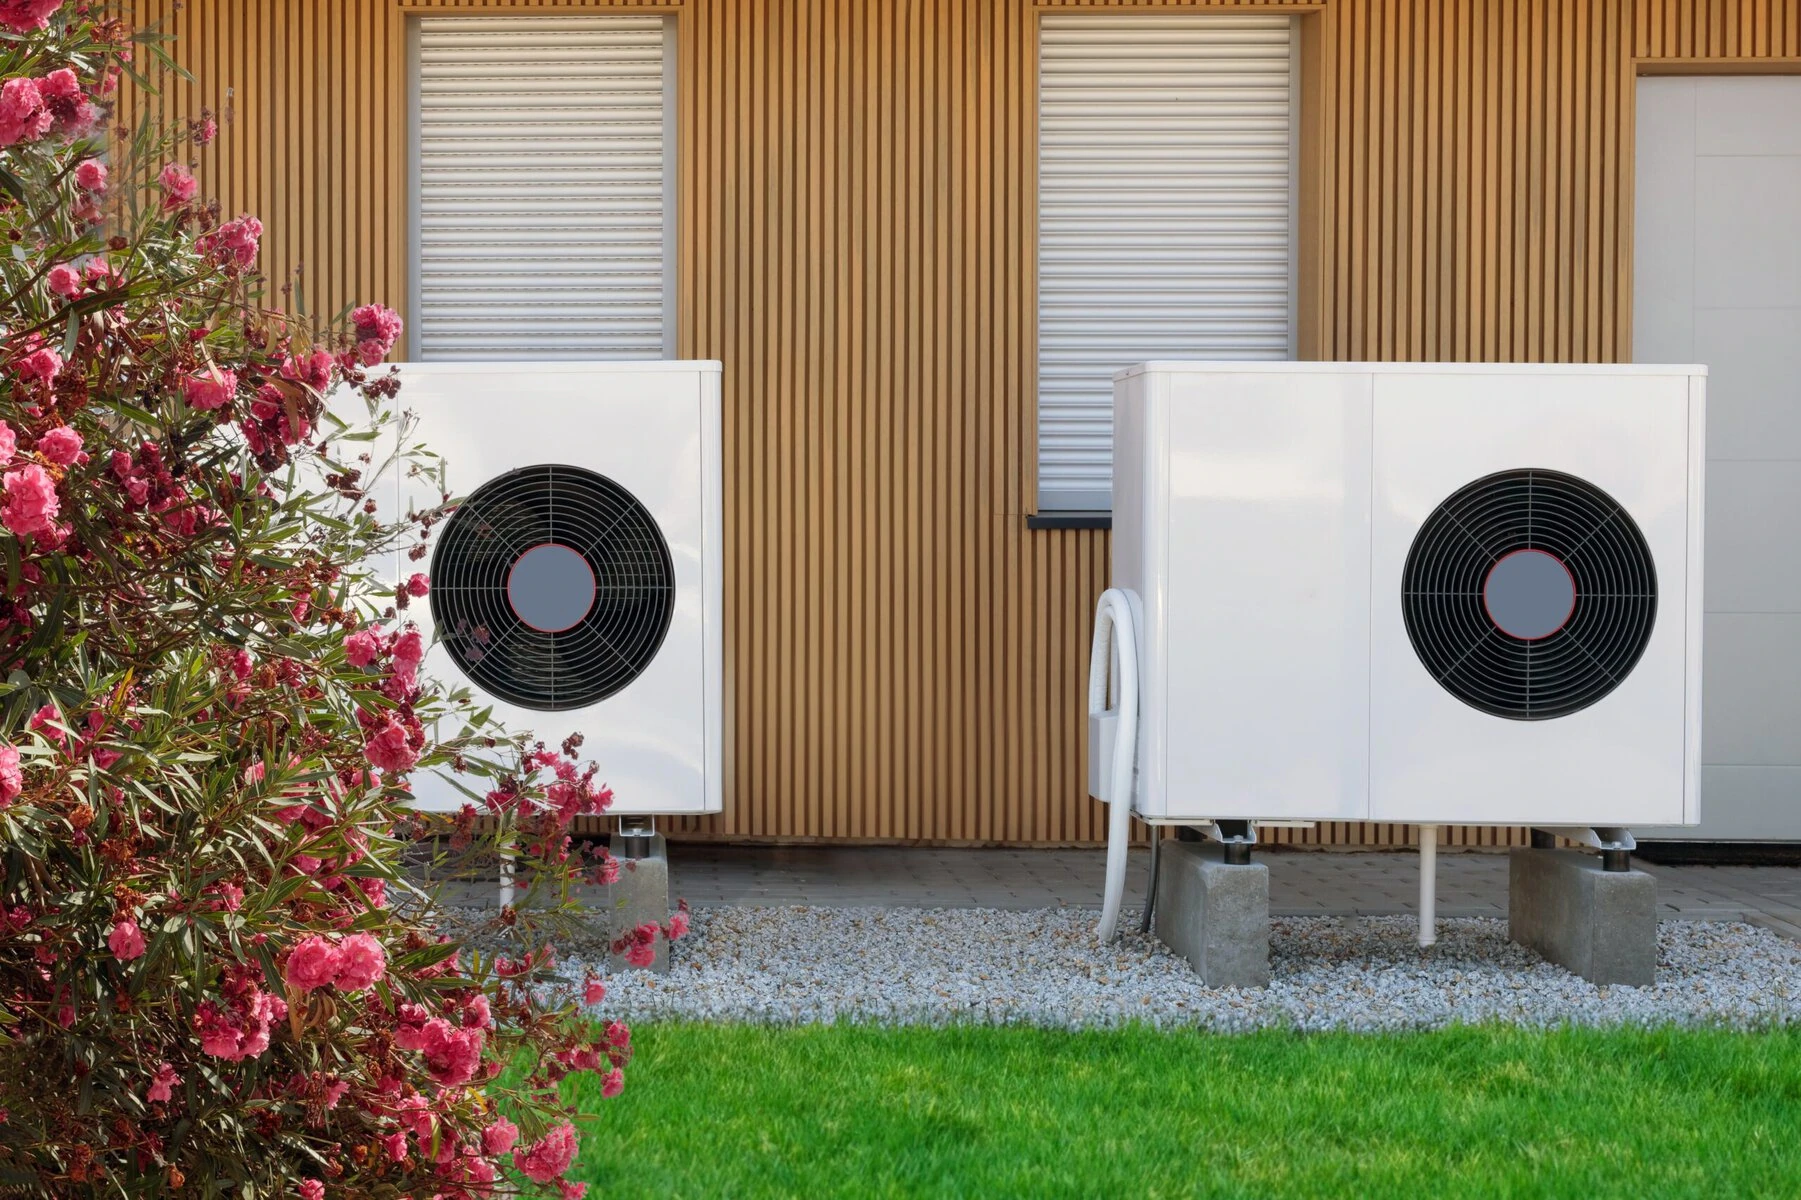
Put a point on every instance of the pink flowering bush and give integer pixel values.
(216, 978)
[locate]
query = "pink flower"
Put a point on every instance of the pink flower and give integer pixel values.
(571, 1191)
(178, 186)
(361, 647)
(31, 503)
(65, 280)
(314, 370)
(395, 1144)
(476, 1013)
(12, 780)
(377, 329)
(387, 747)
(451, 1054)
(312, 1189)
(61, 445)
(23, 115)
(677, 927)
(212, 388)
(126, 941)
(9, 443)
(70, 110)
(47, 721)
(313, 964)
(499, 1137)
(418, 586)
(409, 652)
(90, 176)
(42, 363)
(594, 991)
(613, 1084)
(227, 897)
(242, 1030)
(27, 16)
(550, 1156)
(233, 243)
(162, 1083)
(374, 890)
(619, 1035)
(360, 962)
(205, 129)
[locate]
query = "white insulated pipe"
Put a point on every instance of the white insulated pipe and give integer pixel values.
(1115, 656)
(507, 858)
(1428, 885)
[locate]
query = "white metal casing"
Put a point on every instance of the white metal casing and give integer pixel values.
(1262, 516)
(653, 428)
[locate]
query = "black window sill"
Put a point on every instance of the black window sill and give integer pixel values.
(1069, 520)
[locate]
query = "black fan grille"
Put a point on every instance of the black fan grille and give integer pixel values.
(603, 651)
(1448, 621)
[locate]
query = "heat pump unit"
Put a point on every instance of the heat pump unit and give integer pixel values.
(1422, 593)
(577, 585)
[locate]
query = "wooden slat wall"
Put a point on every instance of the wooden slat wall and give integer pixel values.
(905, 659)
(1717, 29)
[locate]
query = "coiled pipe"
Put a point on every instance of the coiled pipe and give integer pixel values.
(1114, 657)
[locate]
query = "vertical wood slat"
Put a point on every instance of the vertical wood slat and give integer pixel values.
(857, 201)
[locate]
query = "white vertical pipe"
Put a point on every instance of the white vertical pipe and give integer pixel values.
(1428, 884)
(507, 855)
(1115, 654)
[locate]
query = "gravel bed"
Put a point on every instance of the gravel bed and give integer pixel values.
(579, 936)
(940, 966)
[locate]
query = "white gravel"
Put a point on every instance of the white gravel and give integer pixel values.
(937, 966)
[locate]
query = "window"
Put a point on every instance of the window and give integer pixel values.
(543, 207)
(1166, 194)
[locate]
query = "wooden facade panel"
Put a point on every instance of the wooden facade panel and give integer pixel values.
(1717, 29)
(857, 212)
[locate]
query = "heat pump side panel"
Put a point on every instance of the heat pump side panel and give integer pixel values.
(1138, 541)
(1264, 595)
(1697, 573)
(653, 428)
(1619, 761)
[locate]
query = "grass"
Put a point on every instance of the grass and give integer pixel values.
(818, 1111)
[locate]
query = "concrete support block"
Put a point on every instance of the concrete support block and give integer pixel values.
(639, 897)
(1600, 924)
(1214, 915)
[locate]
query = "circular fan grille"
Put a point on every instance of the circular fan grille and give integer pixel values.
(514, 607)
(1529, 594)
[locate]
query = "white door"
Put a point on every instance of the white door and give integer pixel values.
(1717, 280)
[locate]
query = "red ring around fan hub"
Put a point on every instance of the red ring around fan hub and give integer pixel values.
(1529, 594)
(551, 587)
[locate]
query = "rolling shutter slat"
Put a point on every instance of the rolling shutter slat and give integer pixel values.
(1165, 215)
(542, 201)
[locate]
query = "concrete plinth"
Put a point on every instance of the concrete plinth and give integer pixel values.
(640, 897)
(1600, 924)
(1214, 915)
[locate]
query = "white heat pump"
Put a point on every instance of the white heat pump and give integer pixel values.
(578, 584)
(1422, 593)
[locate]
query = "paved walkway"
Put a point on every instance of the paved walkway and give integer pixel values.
(1302, 883)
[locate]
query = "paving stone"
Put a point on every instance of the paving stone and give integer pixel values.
(1301, 883)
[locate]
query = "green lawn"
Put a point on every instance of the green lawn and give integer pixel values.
(844, 1111)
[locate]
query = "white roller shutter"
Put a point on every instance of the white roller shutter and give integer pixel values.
(542, 199)
(1165, 215)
